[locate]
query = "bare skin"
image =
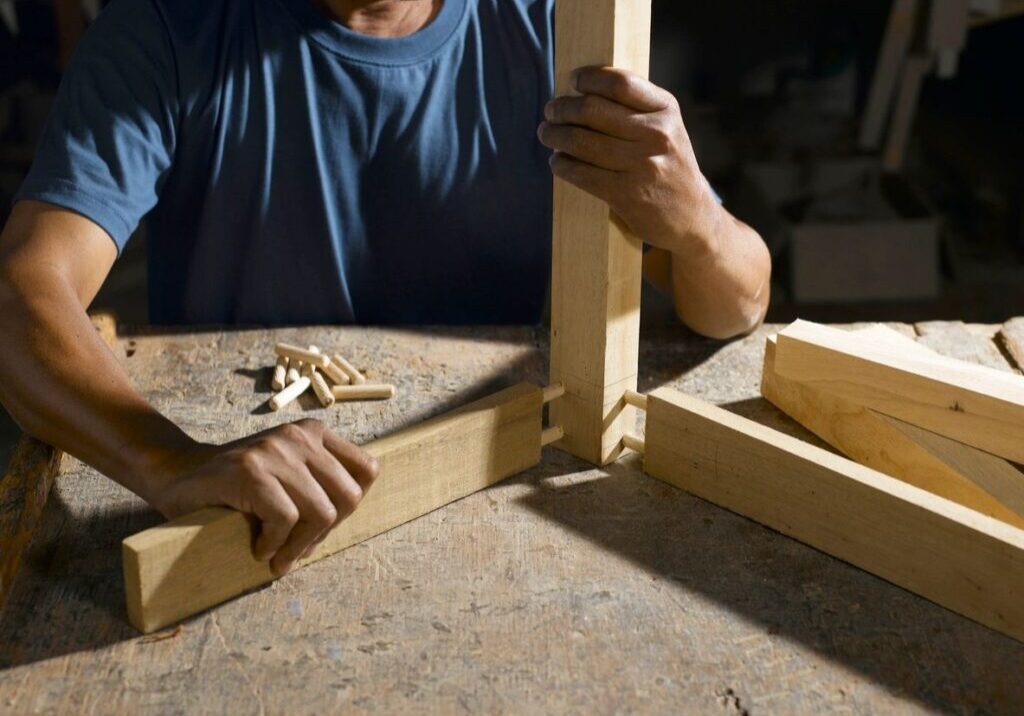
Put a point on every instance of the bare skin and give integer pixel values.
(623, 139)
(62, 384)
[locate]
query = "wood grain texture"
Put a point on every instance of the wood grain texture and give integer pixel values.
(521, 598)
(966, 475)
(951, 555)
(26, 485)
(596, 262)
(972, 404)
(200, 560)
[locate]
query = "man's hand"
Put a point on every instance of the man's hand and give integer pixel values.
(623, 140)
(299, 479)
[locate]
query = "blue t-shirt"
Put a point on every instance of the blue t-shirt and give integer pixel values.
(294, 171)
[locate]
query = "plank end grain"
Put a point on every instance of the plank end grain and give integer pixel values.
(596, 261)
(198, 561)
(956, 557)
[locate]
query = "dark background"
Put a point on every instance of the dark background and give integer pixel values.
(781, 84)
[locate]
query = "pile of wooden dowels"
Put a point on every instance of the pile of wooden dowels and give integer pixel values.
(331, 377)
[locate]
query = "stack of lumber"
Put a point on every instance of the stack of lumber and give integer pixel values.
(880, 398)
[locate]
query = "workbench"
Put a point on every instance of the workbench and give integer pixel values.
(564, 589)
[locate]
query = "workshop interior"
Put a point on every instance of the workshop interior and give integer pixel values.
(825, 514)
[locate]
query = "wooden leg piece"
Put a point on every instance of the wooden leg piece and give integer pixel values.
(596, 263)
(954, 556)
(197, 561)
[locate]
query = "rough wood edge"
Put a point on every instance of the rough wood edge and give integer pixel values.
(26, 483)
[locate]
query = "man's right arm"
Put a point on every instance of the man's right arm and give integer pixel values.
(62, 385)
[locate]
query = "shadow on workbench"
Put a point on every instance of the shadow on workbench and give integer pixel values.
(69, 596)
(789, 591)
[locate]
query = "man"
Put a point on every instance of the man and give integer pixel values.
(369, 161)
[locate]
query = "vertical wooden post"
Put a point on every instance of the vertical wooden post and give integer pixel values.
(596, 264)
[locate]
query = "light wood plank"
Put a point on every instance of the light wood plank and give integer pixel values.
(972, 404)
(200, 560)
(596, 263)
(957, 472)
(954, 556)
(898, 34)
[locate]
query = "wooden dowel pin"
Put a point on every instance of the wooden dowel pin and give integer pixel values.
(336, 374)
(363, 391)
(553, 392)
(280, 373)
(354, 375)
(301, 354)
(637, 400)
(320, 387)
(633, 443)
(290, 393)
(293, 374)
(551, 435)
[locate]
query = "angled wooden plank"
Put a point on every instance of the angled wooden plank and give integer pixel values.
(972, 404)
(25, 486)
(200, 560)
(954, 556)
(596, 263)
(899, 32)
(957, 472)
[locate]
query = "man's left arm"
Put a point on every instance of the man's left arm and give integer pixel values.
(623, 140)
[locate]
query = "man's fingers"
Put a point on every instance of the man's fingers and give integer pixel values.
(362, 466)
(340, 486)
(597, 113)
(623, 87)
(589, 146)
(317, 514)
(591, 179)
(278, 516)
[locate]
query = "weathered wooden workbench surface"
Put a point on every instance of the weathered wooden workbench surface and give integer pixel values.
(564, 589)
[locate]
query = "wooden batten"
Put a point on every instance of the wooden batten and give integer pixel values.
(596, 262)
(972, 404)
(957, 472)
(200, 560)
(961, 559)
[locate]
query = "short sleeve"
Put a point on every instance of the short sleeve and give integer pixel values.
(109, 141)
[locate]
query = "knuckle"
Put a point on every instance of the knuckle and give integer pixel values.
(325, 514)
(287, 514)
(620, 85)
(589, 108)
(250, 462)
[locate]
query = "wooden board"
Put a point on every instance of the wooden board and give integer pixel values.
(596, 262)
(203, 559)
(976, 405)
(898, 34)
(966, 475)
(26, 484)
(915, 70)
(956, 557)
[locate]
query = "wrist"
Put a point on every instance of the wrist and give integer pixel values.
(164, 455)
(697, 233)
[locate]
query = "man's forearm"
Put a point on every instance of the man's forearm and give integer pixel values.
(62, 385)
(720, 275)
